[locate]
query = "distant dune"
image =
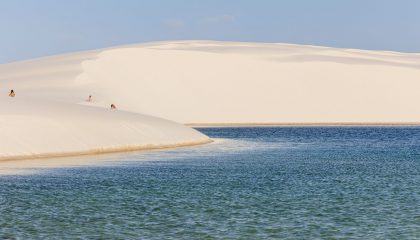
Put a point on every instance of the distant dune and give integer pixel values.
(198, 82)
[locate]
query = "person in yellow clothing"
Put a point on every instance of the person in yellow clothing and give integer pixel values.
(12, 93)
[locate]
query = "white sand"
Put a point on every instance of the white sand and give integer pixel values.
(225, 82)
(40, 128)
(196, 82)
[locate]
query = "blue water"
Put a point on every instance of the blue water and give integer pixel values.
(252, 183)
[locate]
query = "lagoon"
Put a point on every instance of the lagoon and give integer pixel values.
(251, 183)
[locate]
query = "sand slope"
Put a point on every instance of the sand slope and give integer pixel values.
(228, 82)
(39, 128)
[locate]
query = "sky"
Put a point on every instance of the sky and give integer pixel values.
(37, 28)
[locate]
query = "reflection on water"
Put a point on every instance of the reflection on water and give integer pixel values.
(251, 183)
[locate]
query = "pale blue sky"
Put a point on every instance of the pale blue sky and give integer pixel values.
(35, 28)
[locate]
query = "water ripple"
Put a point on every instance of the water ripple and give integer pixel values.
(253, 183)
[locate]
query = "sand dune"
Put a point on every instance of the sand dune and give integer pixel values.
(196, 82)
(40, 128)
(228, 82)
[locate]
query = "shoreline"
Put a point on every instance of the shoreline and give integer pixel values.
(297, 124)
(100, 151)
